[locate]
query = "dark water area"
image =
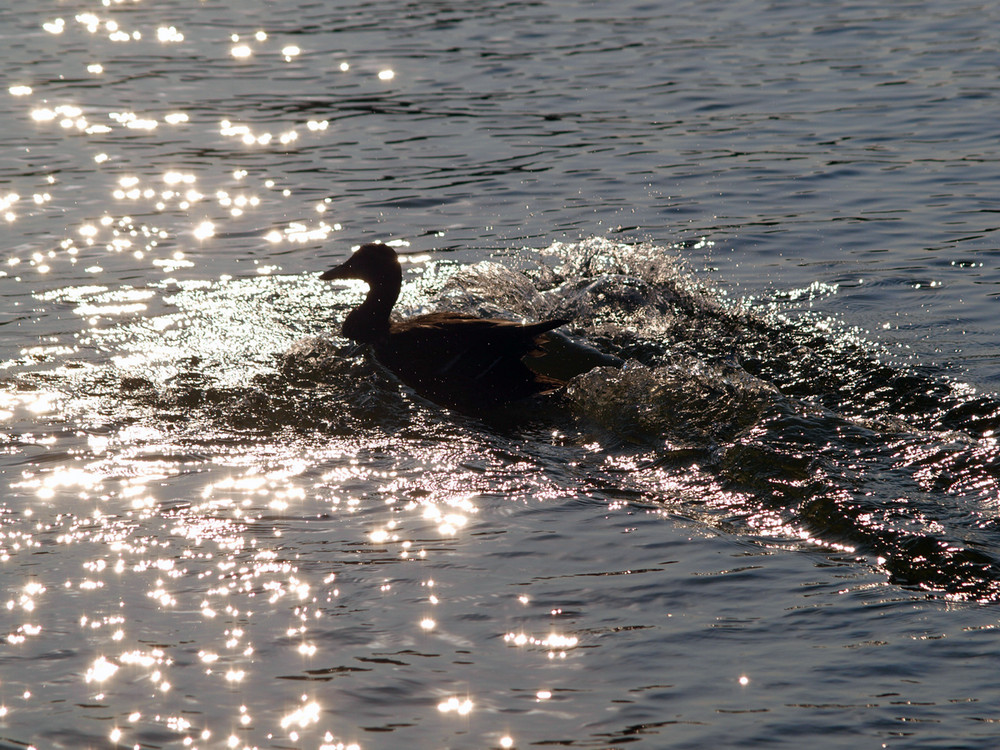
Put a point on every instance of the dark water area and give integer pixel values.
(225, 526)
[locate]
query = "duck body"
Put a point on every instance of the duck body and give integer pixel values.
(456, 360)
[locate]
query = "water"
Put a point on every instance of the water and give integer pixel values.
(222, 526)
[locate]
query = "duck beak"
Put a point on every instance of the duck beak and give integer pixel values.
(333, 273)
(343, 271)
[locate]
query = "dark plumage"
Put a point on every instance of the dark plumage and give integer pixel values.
(460, 361)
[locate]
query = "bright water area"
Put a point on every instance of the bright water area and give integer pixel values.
(223, 526)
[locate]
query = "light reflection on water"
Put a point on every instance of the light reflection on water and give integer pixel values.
(220, 532)
(274, 562)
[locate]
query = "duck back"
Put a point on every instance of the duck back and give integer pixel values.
(469, 363)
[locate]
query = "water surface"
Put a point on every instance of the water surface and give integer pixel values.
(224, 526)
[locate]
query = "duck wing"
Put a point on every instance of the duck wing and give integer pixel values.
(474, 364)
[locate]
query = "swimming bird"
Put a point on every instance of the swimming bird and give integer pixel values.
(471, 364)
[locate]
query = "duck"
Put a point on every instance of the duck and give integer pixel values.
(460, 361)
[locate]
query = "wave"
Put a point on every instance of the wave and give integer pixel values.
(796, 433)
(802, 433)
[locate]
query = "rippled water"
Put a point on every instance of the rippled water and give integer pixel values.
(223, 526)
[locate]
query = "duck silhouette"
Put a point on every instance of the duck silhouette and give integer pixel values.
(459, 361)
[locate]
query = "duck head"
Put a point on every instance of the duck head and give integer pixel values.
(373, 263)
(378, 266)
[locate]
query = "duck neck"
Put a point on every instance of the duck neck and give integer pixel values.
(369, 323)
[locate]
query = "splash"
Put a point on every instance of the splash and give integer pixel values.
(797, 434)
